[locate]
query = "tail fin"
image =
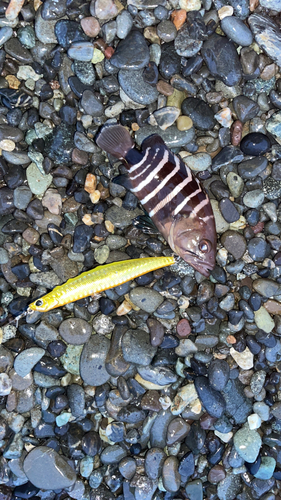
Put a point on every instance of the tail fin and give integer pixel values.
(115, 139)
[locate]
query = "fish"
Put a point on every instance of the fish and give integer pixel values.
(97, 280)
(169, 192)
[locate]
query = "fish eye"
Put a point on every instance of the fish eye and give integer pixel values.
(205, 246)
(39, 302)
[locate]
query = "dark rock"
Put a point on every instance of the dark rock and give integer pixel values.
(200, 113)
(255, 144)
(222, 59)
(211, 399)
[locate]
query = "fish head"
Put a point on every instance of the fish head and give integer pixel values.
(43, 304)
(194, 240)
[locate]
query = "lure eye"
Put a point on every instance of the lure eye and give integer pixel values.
(205, 246)
(39, 302)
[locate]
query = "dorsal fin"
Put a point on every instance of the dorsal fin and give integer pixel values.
(152, 141)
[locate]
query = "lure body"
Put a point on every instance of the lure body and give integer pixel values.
(97, 280)
(169, 192)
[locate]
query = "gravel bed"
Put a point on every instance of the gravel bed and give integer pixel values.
(166, 387)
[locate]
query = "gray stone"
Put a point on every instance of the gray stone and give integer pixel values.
(136, 347)
(146, 299)
(92, 361)
(237, 31)
(48, 470)
(247, 443)
(75, 331)
(136, 88)
(27, 359)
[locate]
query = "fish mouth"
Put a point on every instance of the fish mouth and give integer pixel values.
(202, 267)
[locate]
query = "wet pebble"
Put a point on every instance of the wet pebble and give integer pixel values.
(75, 331)
(92, 361)
(55, 471)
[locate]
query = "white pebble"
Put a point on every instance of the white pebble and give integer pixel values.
(225, 437)
(5, 384)
(254, 421)
(244, 359)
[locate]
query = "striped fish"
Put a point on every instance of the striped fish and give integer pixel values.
(169, 192)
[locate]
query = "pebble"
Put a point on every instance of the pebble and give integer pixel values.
(227, 67)
(245, 108)
(244, 359)
(136, 88)
(5, 384)
(255, 144)
(266, 35)
(92, 361)
(146, 299)
(75, 331)
(27, 359)
(136, 347)
(201, 114)
(253, 199)
(170, 474)
(237, 31)
(211, 398)
(264, 320)
(247, 443)
(131, 53)
(46, 469)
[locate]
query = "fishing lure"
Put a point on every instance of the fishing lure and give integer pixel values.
(169, 192)
(97, 280)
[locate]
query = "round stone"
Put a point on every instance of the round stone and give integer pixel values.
(247, 443)
(237, 31)
(146, 299)
(255, 144)
(48, 470)
(27, 359)
(75, 331)
(92, 361)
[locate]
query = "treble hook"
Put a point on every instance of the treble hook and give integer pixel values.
(20, 316)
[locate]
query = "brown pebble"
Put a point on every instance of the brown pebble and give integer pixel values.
(90, 26)
(80, 157)
(231, 339)
(86, 219)
(31, 235)
(258, 227)
(134, 127)
(273, 307)
(54, 84)
(236, 132)
(164, 88)
(156, 330)
(109, 51)
(90, 183)
(183, 328)
(178, 17)
(104, 192)
(216, 474)
(70, 205)
(150, 401)
(253, 4)
(268, 72)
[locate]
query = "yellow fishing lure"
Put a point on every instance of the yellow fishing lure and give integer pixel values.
(97, 280)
